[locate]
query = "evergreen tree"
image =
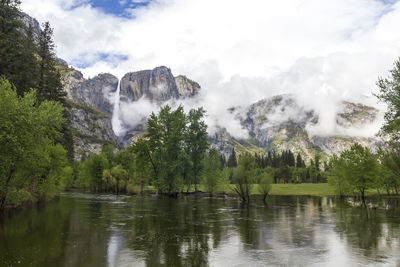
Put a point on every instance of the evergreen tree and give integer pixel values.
(299, 161)
(17, 51)
(291, 161)
(232, 161)
(317, 162)
(31, 63)
(223, 161)
(49, 84)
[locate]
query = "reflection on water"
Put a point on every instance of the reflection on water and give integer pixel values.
(106, 230)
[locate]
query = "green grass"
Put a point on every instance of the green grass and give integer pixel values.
(322, 189)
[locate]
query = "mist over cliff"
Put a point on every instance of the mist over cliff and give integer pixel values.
(276, 123)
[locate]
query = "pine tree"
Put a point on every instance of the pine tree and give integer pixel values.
(232, 161)
(223, 161)
(291, 160)
(17, 51)
(49, 85)
(31, 63)
(299, 162)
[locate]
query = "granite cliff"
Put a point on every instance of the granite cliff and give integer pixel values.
(280, 123)
(90, 109)
(276, 123)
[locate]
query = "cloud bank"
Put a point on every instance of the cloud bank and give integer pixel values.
(239, 52)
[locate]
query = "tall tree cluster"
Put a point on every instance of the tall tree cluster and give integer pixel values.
(34, 130)
(32, 165)
(175, 144)
(171, 157)
(30, 63)
(286, 167)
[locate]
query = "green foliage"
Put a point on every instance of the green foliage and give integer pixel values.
(243, 176)
(337, 176)
(355, 170)
(170, 155)
(121, 176)
(212, 173)
(142, 161)
(165, 135)
(390, 94)
(389, 178)
(49, 84)
(224, 185)
(196, 143)
(17, 50)
(232, 161)
(174, 145)
(266, 178)
(29, 159)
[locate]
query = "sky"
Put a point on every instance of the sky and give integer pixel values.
(323, 51)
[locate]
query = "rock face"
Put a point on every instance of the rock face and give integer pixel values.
(91, 129)
(96, 92)
(90, 111)
(186, 87)
(355, 115)
(156, 85)
(280, 123)
(277, 123)
(28, 21)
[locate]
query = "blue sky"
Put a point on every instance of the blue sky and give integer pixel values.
(118, 7)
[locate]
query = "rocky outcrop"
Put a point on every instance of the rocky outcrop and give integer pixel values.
(277, 123)
(156, 85)
(28, 21)
(186, 87)
(280, 123)
(355, 115)
(96, 92)
(91, 129)
(90, 109)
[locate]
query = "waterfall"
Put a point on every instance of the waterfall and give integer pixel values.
(116, 122)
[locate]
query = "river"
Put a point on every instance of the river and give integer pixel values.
(80, 229)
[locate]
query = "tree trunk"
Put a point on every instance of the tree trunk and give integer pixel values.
(141, 184)
(3, 199)
(265, 197)
(195, 182)
(363, 197)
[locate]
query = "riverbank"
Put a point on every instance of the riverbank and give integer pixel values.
(322, 189)
(306, 189)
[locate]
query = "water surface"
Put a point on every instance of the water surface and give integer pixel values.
(107, 230)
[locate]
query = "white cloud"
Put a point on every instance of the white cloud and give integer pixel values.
(239, 52)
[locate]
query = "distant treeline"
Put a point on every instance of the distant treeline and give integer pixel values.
(287, 167)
